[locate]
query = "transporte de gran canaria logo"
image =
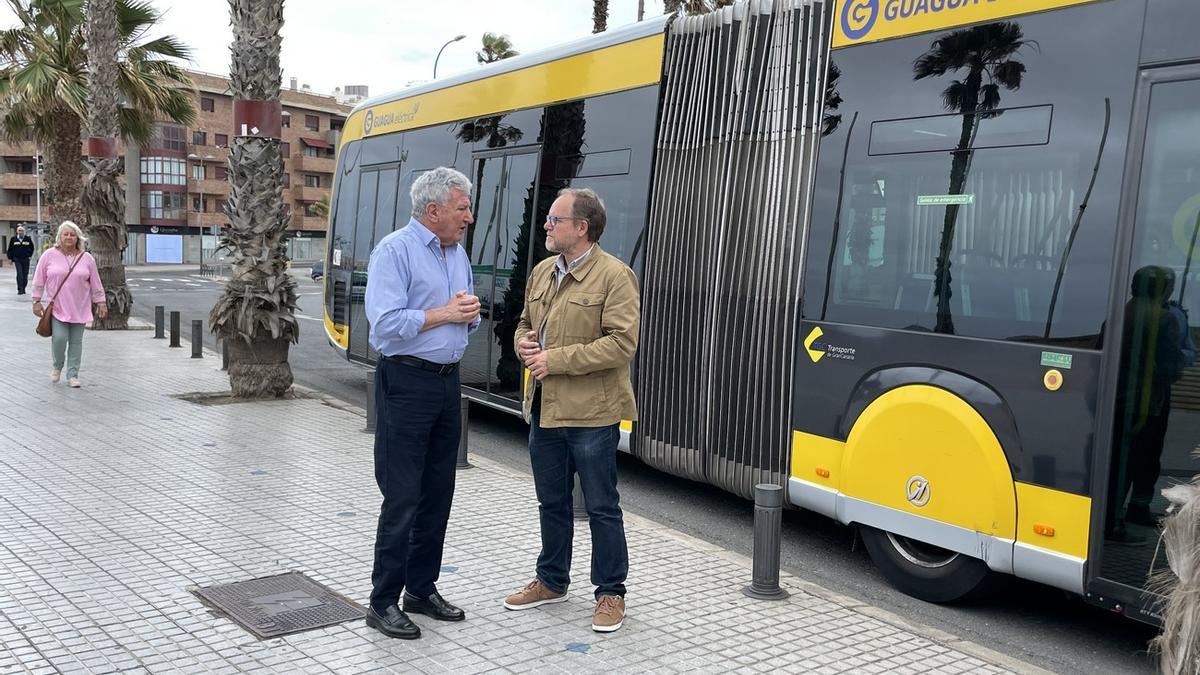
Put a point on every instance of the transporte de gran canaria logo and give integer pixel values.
(870, 20)
(818, 349)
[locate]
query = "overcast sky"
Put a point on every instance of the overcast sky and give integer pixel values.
(384, 45)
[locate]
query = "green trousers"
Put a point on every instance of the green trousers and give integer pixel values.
(67, 345)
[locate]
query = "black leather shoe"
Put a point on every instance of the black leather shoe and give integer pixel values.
(434, 606)
(393, 623)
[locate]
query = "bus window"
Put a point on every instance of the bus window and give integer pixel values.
(341, 237)
(1157, 408)
(364, 221)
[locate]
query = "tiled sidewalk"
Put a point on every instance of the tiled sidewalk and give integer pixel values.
(117, 498)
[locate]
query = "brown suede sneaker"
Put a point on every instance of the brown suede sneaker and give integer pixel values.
(609, 614)
(535, 594)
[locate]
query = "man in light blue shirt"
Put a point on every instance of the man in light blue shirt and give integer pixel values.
(421, 305)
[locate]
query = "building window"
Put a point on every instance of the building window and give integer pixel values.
(163, 171)
(312, 123)
(221, 140)
(199, 204)
(287, 120)
(287, 180)
(169, 137)
(220, 205)
(198, 172)
(312, 180)
(207, 104)
(285, 149)
(310, 151)
(22, 167)
(164, 205)
(26, 199)
(310, 210)
(222, 172)
(199, 138)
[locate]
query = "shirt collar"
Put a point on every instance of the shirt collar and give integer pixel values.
(422, 233)
(561, 262)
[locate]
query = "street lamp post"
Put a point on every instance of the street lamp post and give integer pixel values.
(439, 54)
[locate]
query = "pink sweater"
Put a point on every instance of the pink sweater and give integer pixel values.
(74, 303)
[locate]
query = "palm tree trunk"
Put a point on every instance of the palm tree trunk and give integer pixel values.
(599, 16)
(103, 196)
(958, 179)
(63, 181)
(255, 314)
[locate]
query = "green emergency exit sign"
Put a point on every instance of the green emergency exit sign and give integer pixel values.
(1056, 360)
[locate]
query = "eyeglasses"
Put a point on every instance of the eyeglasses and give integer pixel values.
(553, 221)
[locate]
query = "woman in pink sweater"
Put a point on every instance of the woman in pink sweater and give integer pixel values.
(70, 268)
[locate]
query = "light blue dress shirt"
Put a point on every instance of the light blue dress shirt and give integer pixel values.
(409, 273)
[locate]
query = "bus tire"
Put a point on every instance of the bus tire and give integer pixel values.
(923, 571)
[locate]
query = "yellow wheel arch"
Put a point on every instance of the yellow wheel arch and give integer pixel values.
(926, 443)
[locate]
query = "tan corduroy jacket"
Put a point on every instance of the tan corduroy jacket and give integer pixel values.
(591, 333)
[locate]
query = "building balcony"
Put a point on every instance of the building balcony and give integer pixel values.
(207, 219)
(303, 193)
(18, 181)
(209, 154)
(312, 164)
(307, 223)
(209, 187)
(18, 213)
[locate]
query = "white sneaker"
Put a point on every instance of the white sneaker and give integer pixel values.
(55, 375)
(73, 382)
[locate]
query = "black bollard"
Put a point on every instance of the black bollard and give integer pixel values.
(175, 330)
(464, 432)
(197, 338)
(370, 404)
(224, 347)
(578, 506)
(159, 321)
(768, 522)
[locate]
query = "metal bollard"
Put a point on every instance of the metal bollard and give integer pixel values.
(175, 330)
(578, 506)
(463, 434)
(224, 347)
(768, 520)
(370, 404)
(197, 338)
(159, 328)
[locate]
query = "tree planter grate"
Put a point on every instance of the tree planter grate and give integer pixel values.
(279, 605)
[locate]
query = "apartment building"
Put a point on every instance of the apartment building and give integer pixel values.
(176, 186)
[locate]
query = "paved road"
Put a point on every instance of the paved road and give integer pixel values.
(1032, 622)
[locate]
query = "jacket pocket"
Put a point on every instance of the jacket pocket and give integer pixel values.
(583, 314)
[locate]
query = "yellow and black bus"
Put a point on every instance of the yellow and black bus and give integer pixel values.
(924, 262)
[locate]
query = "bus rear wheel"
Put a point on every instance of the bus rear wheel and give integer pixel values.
(924, 571)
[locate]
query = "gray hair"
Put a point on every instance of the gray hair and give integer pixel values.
(81, 241)
(433, 187)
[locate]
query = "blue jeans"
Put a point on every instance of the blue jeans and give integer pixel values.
(556, 455)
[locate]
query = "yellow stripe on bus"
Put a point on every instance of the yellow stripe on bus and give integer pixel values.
(817, 459)
(336, 332)
(624, 66)
(861, 21)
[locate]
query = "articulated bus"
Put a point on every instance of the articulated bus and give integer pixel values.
(923, 262)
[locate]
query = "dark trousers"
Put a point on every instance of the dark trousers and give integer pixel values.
(416, 447)
(556, 455)
(22, 265)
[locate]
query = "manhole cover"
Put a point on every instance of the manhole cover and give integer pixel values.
(280, 605)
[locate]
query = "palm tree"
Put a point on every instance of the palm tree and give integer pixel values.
(985, 54)
(495, 48)
(256, 313)
(103, 197)
(599, 16)
(44, 92)
(321, 208)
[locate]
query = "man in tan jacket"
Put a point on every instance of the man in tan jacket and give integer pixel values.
(577, 335)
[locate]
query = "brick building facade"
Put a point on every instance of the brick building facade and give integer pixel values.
(176, 186)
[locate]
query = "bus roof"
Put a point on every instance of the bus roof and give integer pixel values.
(627, 33)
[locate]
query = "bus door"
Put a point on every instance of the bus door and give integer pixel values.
(1155, 423)
(375, 218)
(504, 200)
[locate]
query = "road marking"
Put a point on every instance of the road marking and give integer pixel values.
(310, 318)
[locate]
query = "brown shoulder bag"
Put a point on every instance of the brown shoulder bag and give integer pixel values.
(45, 325)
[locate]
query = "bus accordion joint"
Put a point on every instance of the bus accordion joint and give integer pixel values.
(1044, 530)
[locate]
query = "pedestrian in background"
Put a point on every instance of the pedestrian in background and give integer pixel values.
(20, 250)
(67, 274)
(421, 305)
(577, 336)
